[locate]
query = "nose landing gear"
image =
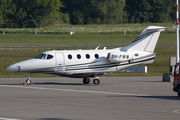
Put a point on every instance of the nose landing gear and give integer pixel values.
(28, 81)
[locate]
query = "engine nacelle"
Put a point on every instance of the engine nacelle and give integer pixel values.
(119, 57)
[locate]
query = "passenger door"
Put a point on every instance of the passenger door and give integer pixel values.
(60, 64)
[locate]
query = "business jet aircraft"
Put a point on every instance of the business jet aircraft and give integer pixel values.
(93, 63)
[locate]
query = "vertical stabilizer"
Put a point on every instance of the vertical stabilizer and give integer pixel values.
(147, 40)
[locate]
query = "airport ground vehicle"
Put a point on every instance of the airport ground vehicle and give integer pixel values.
(176, 82)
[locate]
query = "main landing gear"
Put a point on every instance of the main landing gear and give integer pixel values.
(28, 81)
(96, 81)
(86, 80)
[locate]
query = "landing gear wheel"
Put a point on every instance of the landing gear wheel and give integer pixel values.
(86, 80)
(28, 81)
(96, 81)
(178, 91)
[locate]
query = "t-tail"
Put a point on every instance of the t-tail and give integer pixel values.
(147, 40)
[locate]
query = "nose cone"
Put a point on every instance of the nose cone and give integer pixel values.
(14, 67)
(24, 66)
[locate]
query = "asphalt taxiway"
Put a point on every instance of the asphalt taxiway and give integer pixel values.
(116, 98)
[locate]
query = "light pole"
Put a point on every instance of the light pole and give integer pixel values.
(177, 31)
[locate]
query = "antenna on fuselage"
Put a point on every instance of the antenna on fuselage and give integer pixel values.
(97, 48)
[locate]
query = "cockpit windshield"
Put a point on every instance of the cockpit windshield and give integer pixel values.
(49, 57)
(41, 56)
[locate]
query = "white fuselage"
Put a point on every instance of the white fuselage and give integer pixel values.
(82, 63)
(93, 63)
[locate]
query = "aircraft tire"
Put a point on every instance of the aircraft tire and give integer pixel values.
(96, 81)
(28, 81)
(86, 80)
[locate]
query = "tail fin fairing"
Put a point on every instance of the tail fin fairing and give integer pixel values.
(147, 40)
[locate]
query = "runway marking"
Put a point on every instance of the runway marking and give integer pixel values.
(176, 111)
(8, 119)
(70, 90)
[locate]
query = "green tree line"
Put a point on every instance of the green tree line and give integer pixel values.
(37, 13)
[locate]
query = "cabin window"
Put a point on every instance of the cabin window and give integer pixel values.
(127, 56)
(78, 56)
(124, 56)
(96, 56)
(70, 56)
(41, 56)
(87, 56)
(136, 54)
(49, 57)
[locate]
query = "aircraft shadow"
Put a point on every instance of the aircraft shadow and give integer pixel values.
(153, 97)
(162, 97)
(48, 83)
(52, 119)
(55, 83)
